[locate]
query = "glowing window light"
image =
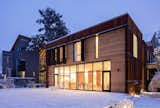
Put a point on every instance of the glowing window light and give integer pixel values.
(96, 46)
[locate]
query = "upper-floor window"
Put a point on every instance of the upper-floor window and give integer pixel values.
(55, 54)
(61, 54)
(135, 46)
(77, 51)
(97, 46)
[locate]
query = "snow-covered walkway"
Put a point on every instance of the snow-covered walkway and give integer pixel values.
(47, 98)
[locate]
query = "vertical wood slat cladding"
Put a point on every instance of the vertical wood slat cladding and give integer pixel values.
(69, 54)
(112, 47)
(144, 61)
(89, 49)
(135, 65)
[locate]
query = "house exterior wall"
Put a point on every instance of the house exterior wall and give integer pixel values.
(6, 63)
(112, 47)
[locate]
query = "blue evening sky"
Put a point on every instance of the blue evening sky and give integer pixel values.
(19, 16)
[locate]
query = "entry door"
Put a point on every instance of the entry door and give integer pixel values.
(106, 81)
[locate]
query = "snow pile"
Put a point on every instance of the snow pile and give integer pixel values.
(125, 103)
(7, 83)
(155, 83)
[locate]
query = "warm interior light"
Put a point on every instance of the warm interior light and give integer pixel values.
(135, 46)
(96, 46)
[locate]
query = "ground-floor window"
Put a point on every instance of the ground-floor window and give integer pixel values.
(89, 76)
(42, 77)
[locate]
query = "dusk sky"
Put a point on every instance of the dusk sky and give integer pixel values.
(19, 16)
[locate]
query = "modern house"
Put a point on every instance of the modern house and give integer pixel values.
(21, 63)
(109, 56)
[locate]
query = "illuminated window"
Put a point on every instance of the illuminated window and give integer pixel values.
(135, 46)
(77, 51)
(88, 76)
(73, 77)
(61, 54)
(97, 76)
(34, 74)
(97, 46)
(107, 66)
(66, 77)
(42, 77)
(56, 72)
(80, 77)
(61, 80)
(22, 74)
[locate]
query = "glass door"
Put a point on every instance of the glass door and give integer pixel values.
(106, 80)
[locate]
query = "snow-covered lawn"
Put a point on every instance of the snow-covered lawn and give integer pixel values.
(59, 98)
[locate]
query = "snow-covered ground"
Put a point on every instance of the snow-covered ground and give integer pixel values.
(59, 98)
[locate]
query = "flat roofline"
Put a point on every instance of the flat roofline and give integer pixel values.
(100, 27)
(87, 28)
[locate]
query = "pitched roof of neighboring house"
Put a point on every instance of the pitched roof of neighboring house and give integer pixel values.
(18, 38)
(117, 22)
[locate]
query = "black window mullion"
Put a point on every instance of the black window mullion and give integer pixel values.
(64, 55)
(58, 55)
(53, 53)
(82, 50)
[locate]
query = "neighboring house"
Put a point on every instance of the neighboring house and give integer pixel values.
(151, 63)
(7, 63)
(21, 63)
(109, 56)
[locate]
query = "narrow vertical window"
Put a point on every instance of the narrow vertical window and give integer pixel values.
(55, 50)
(135, 46)
(77, 51)
(96, 46)
(61, 54)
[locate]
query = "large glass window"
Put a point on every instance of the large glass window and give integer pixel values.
(84, 76)
(73, 77)
(97, 76)
(80, 77)
(61, 80)
(135, 46)
(56, 72)
(106, 81)
(77, 51)
(66, 77)
(88, 76)
(106, 75)
(107, 66)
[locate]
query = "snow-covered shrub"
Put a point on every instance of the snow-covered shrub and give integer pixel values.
(110, 106)
(155, 83)
(126, 103)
